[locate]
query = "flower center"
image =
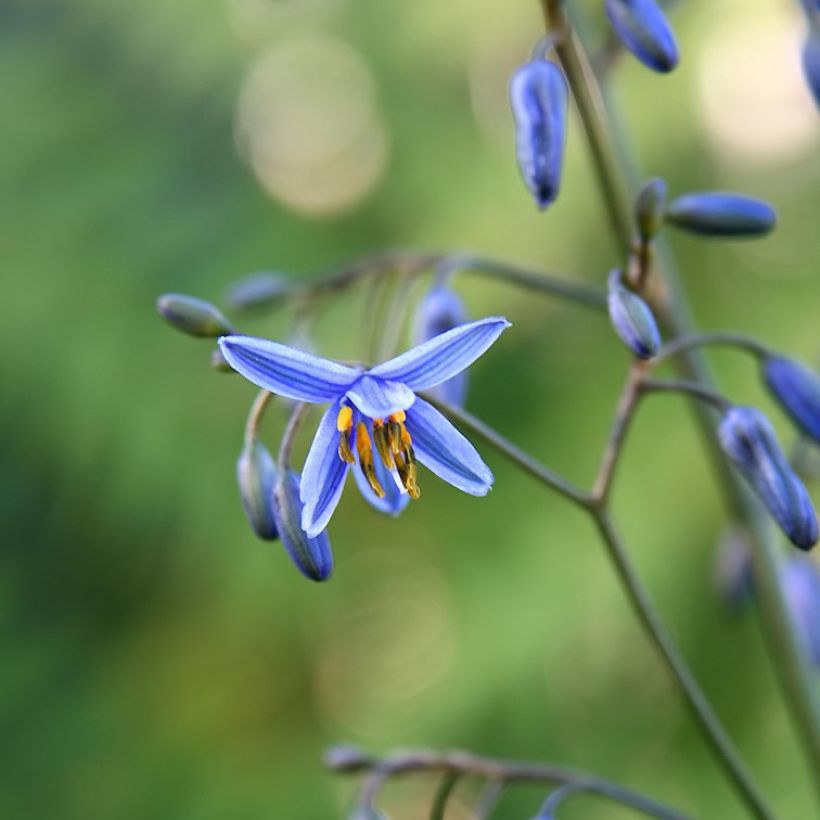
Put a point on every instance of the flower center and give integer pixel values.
(393, 444)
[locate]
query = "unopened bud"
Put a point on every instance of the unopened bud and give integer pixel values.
(721, 214)
(649, 208)
(312, 556)
(632, 319)
(193, 316)
(748, 439)
(539, 101)
(347, 759)
(256, 476)
(644, 30)
(797, 389)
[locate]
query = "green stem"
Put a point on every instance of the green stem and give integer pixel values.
(614, 167)
(260, 404)
(684, 344)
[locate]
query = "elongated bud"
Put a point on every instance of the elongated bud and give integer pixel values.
(538, 97)
(440, 310)
(632, 319)
(811, 62)
(257, 291)
(256, 476)
(797, 389)
(800, 578)
(649, 208)
(191, 315)
(312, 556)
(712, 213)
(644, 30)
(748, 439)
(347, 759)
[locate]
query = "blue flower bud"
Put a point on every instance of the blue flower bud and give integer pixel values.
(800, 578)
(649, 208)
(312, 556)
(632, 319)
(539, 100)
(193, 316)
(256, 476)
(258, 290)
(797, 389)
(713, 213)
(644, 30)
(748, 439)
(440, 310)
(811, 62)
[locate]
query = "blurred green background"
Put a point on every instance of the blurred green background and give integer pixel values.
(157, 661)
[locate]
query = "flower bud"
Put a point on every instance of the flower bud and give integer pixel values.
(712, 213)
(258, 290)
(539, 99)
(800, 578)
(312, 556)
(649, 207)
(347, 759)
(811, 62)
(797, 389)
(256, 476)
(644, 30)
(632, 319)
(440, 310)
(191, 315)
(748, 439)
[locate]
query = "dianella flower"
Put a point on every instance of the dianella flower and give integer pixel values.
(714, 213)
(440, 310)
(748, 439)
(539, 102)
(376, 424)
(644, 30)
(632, 318)
(797, 389)
(800, 578)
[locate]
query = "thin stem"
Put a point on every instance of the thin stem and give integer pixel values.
(706, 718)
(448, 783)
(694, 389)
(297, 416)
(689, 342)
(505, 772)
(488, 799)
(515, 454)
(257, 411)
(547, 811)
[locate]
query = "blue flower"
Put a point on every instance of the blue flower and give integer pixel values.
(440, 310)
(748, 439)
(797, 389)
(801, 587)
(644, 30)
(375, 409)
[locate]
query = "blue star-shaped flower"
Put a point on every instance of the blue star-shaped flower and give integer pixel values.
(373, 409)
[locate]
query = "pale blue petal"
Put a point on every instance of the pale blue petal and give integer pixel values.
(378, 398)
(444, 451)
(287, 371)
(442, 357)
(323, 476)
(394, 500)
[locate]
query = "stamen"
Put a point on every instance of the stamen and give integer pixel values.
(382, 443)
(344, 424)
(365, 450)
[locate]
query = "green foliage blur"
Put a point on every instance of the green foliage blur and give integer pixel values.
(158, 661)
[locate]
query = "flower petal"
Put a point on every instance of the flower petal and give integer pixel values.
(378, 398)
(442, 449)
(442, 357)
(394, 500)
(287, 371)
(323, 476)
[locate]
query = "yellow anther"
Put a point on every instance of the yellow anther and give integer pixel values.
(382, 444)
(344, 421)
(345, 453)
(365, 450)
(399, 416)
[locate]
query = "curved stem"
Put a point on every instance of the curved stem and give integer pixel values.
(503, 772)
(695, 699)
(260, 404)
(691, 341)
(297, 416)
(694, 389)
